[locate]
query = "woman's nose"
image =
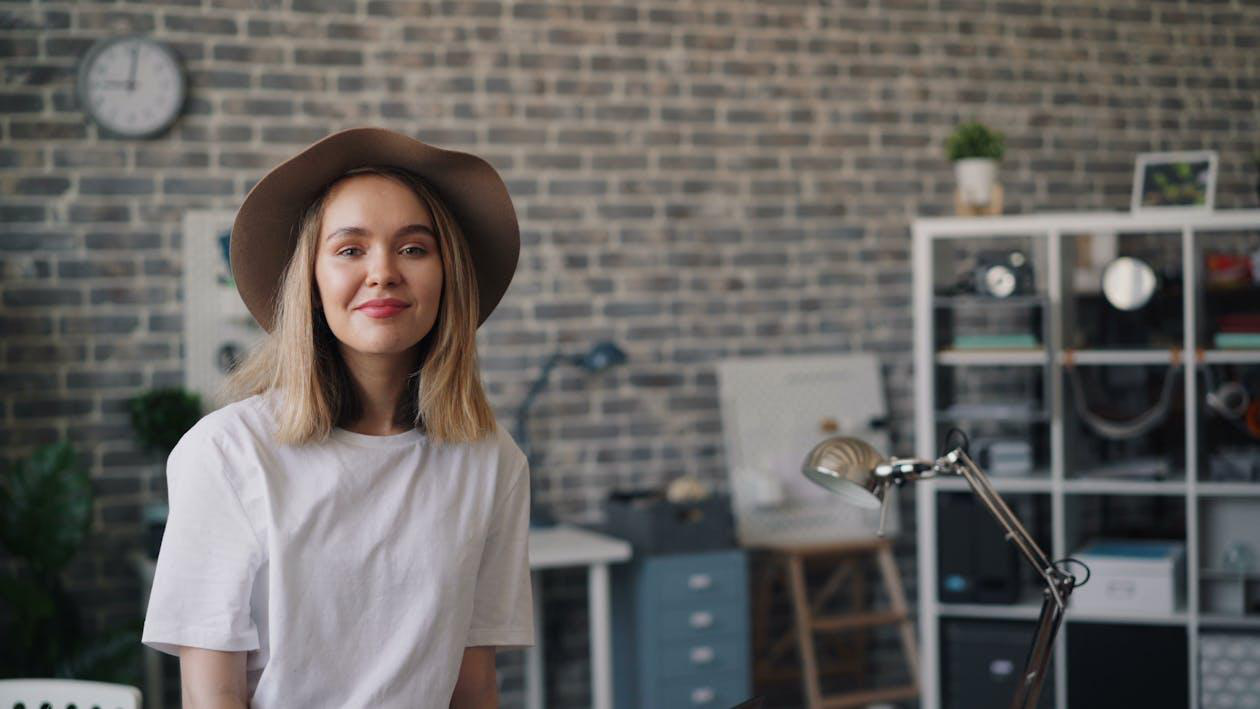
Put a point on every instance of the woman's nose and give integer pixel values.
(383, 270)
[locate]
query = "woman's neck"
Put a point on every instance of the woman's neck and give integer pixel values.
(378, 381)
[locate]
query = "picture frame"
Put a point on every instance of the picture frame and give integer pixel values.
(1182, 181)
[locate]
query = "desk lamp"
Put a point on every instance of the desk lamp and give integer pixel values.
(853, 469)
(600, 357)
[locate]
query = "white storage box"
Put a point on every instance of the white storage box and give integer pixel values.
(1132, 576)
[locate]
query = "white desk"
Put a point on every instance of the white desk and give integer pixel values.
(561, 546)
(551, 548)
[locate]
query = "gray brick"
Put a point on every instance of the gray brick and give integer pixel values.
(16, 353)
(50, 408)
(328, 57)
(152, 295)
(27, 381)
(25, 325)
(200, 24)
(115, 185)
(47, 186)
(41, 297)
(103, 380)
(248, 53)
(325, 7)
(197, 186)
(99, 325)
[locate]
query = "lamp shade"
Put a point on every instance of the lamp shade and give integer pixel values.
(846, 466)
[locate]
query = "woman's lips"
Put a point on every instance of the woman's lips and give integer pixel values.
(382, 311)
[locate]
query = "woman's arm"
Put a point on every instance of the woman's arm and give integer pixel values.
(478, 683)
(212, 679)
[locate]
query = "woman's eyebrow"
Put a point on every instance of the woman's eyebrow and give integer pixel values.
(360, 231)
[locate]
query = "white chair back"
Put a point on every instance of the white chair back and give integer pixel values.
(64, 693)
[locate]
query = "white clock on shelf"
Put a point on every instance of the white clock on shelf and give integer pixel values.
(132, 86)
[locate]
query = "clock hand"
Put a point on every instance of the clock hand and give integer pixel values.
(131, 78)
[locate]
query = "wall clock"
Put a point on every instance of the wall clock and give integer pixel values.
(132, 86)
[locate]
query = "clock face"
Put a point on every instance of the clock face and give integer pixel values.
(131, 86)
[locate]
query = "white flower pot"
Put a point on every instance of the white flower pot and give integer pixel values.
(975, 179)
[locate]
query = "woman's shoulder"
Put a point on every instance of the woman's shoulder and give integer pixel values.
(496, 447)
(510, 455)
(229, 426)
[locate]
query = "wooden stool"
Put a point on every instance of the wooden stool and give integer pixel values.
(847, 559)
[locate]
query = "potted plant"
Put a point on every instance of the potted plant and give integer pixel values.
(45, 515)
(975, 150)
(160, 417)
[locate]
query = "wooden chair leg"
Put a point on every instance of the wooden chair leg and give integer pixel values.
(804, 632)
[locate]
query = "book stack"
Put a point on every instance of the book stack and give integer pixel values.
(1238, 331)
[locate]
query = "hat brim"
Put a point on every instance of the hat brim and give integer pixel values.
(264, 235)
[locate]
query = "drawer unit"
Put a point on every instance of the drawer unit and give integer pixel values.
(680, 630)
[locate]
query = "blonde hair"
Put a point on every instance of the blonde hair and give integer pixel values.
(301, 361)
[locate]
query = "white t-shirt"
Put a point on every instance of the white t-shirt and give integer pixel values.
(354, 571)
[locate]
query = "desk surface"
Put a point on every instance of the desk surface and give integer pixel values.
(562, 545)
(566, 545)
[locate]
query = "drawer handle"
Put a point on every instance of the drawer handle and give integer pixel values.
(702, 695)
(701, 619)
(699, 582)
(701, 655)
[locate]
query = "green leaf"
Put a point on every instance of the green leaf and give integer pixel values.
(45, 508)
(160, 417)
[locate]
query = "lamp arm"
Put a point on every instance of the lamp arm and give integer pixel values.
(522, 412)
(1059, 585)
(1028, 691)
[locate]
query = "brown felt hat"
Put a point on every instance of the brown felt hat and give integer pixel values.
(264, 233)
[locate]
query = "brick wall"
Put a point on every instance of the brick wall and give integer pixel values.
(694, 180)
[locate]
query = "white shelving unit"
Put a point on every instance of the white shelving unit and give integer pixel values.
(1048, 232)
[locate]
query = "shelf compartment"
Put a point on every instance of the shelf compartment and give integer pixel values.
(1093, 322)
(1116, 433)
(1229, 453)
(1224, 523)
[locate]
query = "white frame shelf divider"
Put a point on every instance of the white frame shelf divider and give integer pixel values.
(1053, 227)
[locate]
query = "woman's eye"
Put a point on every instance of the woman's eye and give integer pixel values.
(415, 250)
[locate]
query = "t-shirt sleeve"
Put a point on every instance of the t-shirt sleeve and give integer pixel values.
(208, 559)
(503, 606)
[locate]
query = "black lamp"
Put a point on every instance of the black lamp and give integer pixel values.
(853, 469)
(600, 357)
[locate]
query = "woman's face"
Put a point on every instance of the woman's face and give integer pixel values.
(377, 243)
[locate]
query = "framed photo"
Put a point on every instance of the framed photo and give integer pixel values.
(1175, 181)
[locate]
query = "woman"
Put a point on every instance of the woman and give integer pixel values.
(352, 530)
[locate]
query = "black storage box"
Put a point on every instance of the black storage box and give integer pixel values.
(654, 525)
(983, 662)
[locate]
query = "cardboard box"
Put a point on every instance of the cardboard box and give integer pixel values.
(1132, 576)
